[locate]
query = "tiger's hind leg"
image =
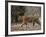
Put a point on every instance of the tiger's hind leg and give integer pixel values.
(33, 23)
(38, 22)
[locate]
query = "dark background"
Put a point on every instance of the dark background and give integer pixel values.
(17, 11)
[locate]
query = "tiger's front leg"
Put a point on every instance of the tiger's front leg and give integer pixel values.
(24, 21)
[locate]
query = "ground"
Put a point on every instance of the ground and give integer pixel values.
(28, 27)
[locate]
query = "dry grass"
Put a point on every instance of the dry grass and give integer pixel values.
(28, 27)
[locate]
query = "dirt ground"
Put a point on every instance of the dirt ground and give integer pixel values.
(28, 27)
